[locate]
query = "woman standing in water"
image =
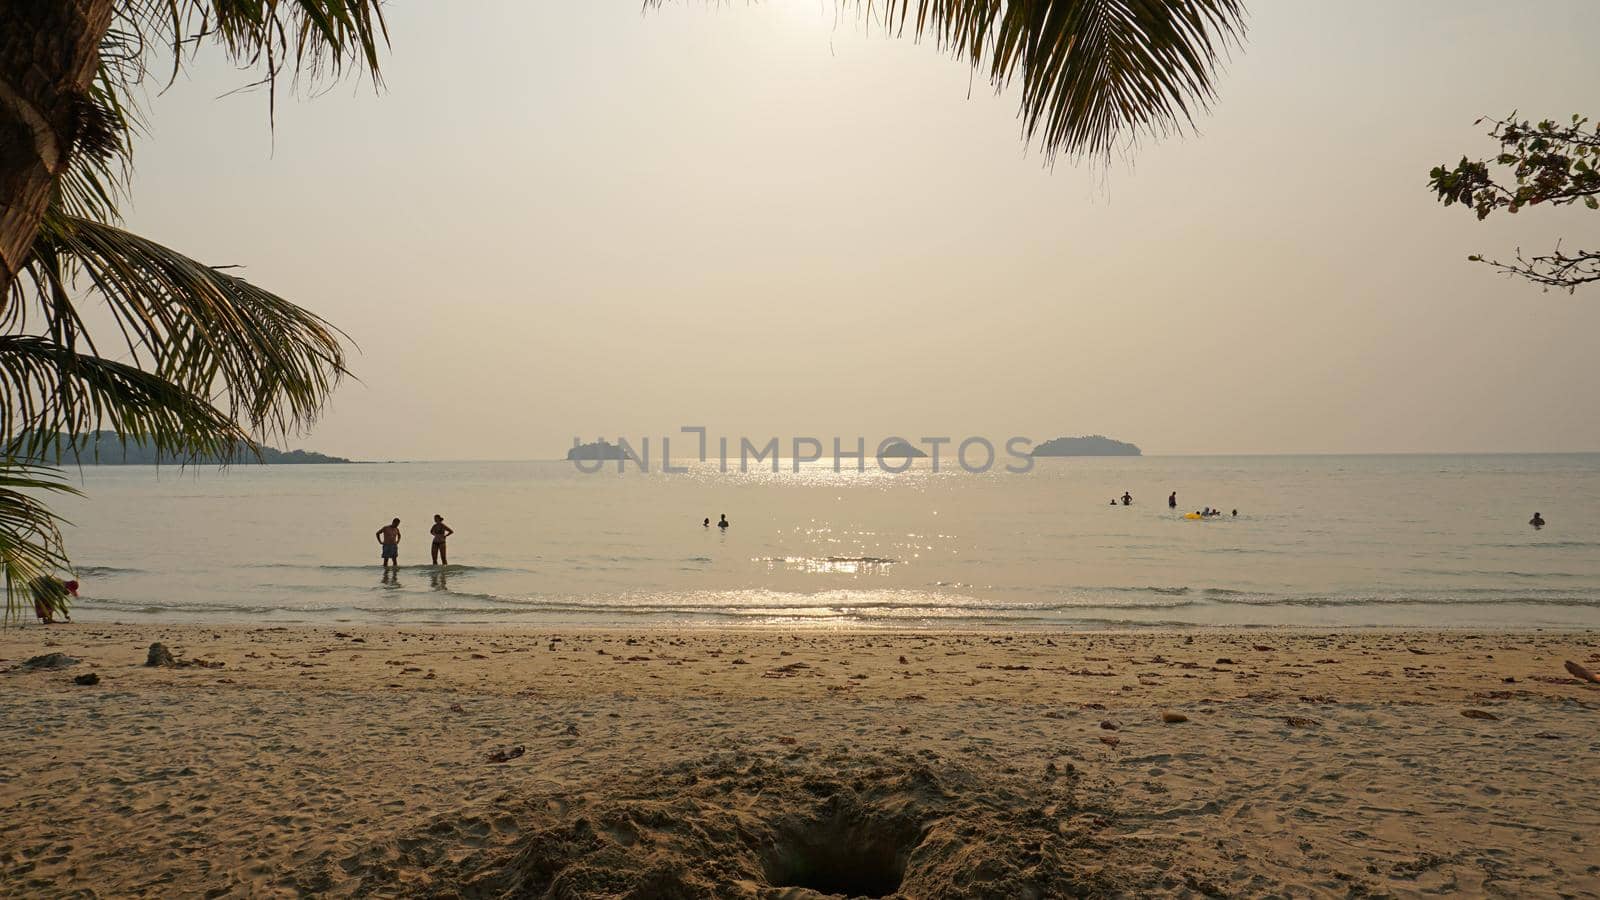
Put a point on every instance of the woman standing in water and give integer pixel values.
(440, 531)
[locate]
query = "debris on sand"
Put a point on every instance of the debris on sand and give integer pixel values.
(160, 657)
(1173, 718)
(49, 661)
(506, 754)
(87, 679)
(1582, 673)
(1480, 714)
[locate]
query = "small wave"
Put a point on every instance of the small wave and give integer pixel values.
(865, 560)
(1401, 600)
(452, 569)
(1148, 589)
(1503, 573)
(105, 571)
(147, 606)
(1542, 544)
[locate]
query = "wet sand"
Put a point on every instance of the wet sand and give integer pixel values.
(687, 763)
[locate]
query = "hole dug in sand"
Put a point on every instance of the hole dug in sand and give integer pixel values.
(850, 853)
(740, 826)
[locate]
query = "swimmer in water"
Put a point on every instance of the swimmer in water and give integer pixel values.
(723, 522)
(1172, 500)
(1537, 521)
(1127, 498)
(706, 523)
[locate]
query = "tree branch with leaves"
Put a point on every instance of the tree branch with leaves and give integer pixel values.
(1548, 163)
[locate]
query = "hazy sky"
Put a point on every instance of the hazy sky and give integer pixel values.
(566, 218)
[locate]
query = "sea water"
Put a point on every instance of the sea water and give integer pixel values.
(1318, 540)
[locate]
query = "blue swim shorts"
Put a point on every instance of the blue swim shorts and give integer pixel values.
(391, 551)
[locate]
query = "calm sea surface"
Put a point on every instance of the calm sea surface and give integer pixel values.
(1350, 541)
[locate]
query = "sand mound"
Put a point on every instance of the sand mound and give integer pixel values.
(744, 825)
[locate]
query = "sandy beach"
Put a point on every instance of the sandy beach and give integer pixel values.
(659, 763)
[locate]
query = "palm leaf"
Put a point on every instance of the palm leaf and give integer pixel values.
(265, 362)
(52, 397)
(313, 38)
(30, 535)
(1093, 72)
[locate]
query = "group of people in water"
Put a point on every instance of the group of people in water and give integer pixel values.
(1208, 512)
(389, 539)
(721, 523)
(1172, 503)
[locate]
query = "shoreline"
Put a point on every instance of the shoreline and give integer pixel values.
(1088, 627)
(352, 758)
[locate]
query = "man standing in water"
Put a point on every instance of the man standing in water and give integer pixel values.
(389, 538)
(440, 531)
(1172, 500)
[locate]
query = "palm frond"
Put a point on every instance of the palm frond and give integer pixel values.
(30, 534)
(263, 361)
(52, 398)
(1093, 72)
(315, 39)
(95, 184)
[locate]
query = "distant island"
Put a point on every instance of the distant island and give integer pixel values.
(1092, 445)
(601, 449)
(901, 450)
(107, 448)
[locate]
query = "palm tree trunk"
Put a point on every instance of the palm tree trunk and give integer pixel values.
(49, 50)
